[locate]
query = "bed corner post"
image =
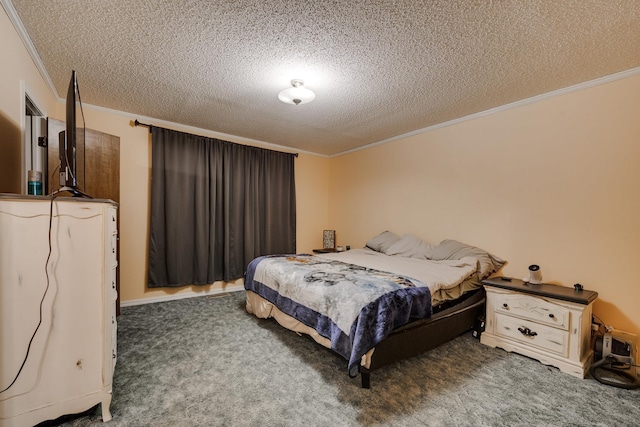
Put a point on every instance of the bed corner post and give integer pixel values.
(366, 379)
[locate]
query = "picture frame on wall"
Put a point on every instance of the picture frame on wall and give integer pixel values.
(329, 239)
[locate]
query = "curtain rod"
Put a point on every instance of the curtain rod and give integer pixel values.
(138, 123)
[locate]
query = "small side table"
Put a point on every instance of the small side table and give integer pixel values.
(325, 251)
(546, 322)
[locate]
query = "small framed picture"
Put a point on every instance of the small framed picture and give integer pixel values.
(329, 239)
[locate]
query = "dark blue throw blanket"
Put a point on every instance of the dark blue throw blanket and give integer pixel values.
(352, 306)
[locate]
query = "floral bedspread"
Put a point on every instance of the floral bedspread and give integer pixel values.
(353, 306)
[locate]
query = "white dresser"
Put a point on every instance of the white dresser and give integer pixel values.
(67, 311)
(549, 323)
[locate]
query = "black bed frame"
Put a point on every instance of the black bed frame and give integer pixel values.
(415, 338)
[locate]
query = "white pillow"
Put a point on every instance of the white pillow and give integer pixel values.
(411, 246)
(453, 249)
(382, 241)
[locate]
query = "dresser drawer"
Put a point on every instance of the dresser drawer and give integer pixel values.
(533, 308)
(114, 340)
(533, 334)
(114, 246)
(112, 221)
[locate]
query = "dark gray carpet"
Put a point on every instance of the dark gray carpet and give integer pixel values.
(207, 362)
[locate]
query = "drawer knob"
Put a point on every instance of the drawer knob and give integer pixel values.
(551, 315)
(505, 305)
(527, 332)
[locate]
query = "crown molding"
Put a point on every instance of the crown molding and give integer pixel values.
(28, 44)
(580, 86)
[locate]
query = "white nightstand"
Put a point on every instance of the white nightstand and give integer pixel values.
(549, 323)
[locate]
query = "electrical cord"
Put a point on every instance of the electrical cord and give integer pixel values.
(51, 182)
(611, 364)
(600, 323)
(46, 265)
(608, 364)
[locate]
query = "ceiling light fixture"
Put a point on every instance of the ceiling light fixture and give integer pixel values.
(298, 94)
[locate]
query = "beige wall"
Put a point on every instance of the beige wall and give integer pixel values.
(553, 183)
(17, 69)
(18, 75)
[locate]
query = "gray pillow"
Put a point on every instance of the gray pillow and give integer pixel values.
(411, 246)
(382, 241)
(452, 249)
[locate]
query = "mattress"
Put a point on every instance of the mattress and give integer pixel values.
(447, 281)
(409, 267)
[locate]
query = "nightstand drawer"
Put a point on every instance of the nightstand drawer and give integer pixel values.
(533, 334)
(533, 308)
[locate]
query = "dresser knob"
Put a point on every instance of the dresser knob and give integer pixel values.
(551, 315)
(505, 305)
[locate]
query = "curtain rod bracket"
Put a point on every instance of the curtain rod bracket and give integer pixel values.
(137, 123)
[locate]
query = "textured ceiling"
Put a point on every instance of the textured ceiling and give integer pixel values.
(379, 68)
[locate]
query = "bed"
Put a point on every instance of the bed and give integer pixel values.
(393, 299)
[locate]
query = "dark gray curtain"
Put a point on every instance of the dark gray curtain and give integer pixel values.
(215, 206)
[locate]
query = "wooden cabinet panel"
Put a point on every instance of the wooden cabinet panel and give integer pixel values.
(99, 173)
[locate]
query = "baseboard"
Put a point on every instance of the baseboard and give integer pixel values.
(165, 298)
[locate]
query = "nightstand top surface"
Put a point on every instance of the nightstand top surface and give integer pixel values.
(325, 250)
(544, 289)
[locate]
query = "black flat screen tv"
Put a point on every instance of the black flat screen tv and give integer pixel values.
(71, 149)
